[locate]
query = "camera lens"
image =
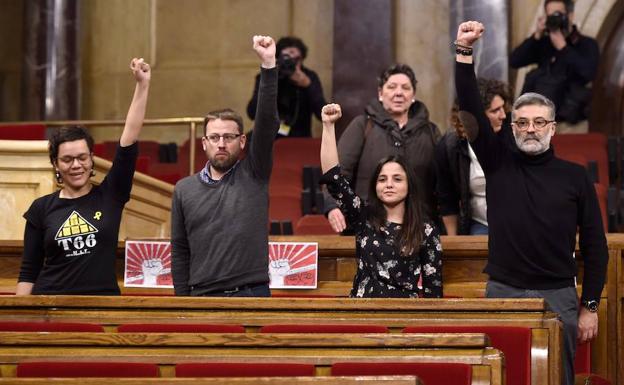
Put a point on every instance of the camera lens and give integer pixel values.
(557, 21)
(286, 65)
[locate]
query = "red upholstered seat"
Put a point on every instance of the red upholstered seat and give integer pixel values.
(185, 152)
(579, 159)
(430, 373)
(23, 132)
(99, 149)
(582, 366)
(313, 225)
(168, 172)
(110, 147)
(180, 328)
(243, 369)
(86, 369)
(514, 342)
(149, 148)
(27, 326)
(326, 328)
(142, 164)
(592, 146)
(590, 379)
(297, 152)
(582, 360)
(285, 208)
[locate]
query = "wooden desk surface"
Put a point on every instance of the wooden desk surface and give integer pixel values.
(289, 304)
(370, 340)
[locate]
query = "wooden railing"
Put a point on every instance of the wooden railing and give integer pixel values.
(190, 122)
(26, 174)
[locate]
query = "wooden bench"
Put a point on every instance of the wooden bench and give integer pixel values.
(464, 259)
(321, 350)
(324, 380)
(256, 312)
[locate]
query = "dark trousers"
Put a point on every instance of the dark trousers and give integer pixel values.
(563, 302)
(258, 290)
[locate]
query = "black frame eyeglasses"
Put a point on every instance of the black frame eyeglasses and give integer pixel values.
(69, 160)
(227, 138)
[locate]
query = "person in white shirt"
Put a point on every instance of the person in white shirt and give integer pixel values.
(460, 182)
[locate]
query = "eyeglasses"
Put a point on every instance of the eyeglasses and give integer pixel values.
(539, 123)
(69, 160)
(227, 138)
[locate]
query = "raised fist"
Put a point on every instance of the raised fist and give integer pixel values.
(141, 70)
(331, 113)
(152, 268)
(469, 32)
(278, 270)
(265, 48)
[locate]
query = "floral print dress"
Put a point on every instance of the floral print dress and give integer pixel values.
(382, 271)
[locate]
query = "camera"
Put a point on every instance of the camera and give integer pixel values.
(557, 22)
(286, 65)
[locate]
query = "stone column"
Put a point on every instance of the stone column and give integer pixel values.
(363, 47)
(491, 53)
(51, 72)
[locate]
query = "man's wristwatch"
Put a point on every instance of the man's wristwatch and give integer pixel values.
(591, 305)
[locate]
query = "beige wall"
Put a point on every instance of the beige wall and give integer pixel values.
(202, 57)
(422, 41)
(200, 52)
(10, 58)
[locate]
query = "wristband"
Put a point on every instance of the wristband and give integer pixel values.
(463, 51)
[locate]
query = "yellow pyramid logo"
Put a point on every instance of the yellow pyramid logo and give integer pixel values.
(75, 224)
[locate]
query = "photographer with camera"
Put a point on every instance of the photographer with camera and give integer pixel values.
(299, 94)
(567, 61)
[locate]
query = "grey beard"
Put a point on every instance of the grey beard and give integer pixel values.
(532, 149)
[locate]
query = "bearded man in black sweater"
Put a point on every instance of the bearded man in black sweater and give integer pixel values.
(536, 202)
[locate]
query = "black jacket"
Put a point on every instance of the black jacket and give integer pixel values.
(295, 104)
(375, 135)
(453, 179)
(561, 75)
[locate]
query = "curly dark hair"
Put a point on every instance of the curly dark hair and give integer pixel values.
(489, 88)
(397, 69)
(64, 134)
(291, 41)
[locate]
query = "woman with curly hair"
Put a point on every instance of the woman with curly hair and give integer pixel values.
(460, 182)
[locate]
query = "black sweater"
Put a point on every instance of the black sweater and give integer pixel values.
(295, 104)
(535, 204)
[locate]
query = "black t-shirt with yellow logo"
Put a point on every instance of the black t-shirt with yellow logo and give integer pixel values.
(70, 244)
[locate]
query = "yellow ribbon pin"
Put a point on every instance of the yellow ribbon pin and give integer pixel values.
(97, 215)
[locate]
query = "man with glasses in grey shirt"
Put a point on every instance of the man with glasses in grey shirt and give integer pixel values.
(219, 216)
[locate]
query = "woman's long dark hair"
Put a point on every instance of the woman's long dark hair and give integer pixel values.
(410, 235)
